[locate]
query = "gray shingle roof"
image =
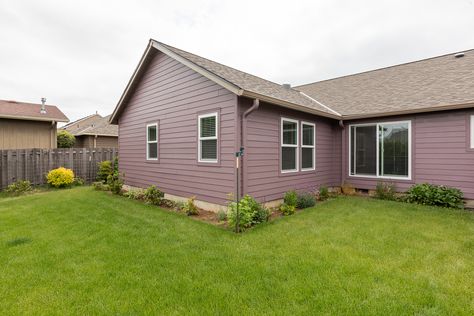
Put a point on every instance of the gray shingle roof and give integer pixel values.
(417, 86)
(92, 125)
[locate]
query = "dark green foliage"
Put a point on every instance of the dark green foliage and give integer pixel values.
(323, 193)
(100, 186)
(19, 187)
(250, 213)
(115, 183)
(65, 139)
(116, 164)
(105, 170)
(385, 191)
(78, 181)
(438, 195)
(287, 209)
(153, 195)
(291, 198)
(305, 200)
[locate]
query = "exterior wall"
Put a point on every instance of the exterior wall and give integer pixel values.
(19, 134)
(173, 95)
(261, 132)
(87, 141)
(440, 152)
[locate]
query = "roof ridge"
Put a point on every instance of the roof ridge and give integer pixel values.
(80, 119)
(386, 67)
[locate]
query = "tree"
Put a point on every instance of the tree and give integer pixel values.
(66, 139)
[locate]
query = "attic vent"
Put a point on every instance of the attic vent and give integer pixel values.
(459, 55)
(286, 85)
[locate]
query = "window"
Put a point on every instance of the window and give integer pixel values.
(208, 128)
(472, 131)
(289, 145)
(152, 141)
(381, 150)
(307, 146)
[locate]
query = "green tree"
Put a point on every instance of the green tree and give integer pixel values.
(66, 139)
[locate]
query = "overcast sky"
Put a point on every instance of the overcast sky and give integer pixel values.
(81, 54)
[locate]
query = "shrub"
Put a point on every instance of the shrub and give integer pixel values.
(221, 216)
(153, 195)
(116, 164)
(115, 183)
(135, 194)
(287, 209)
(79, 181)
(323, 193)
(100, 186)
(168, 203)
(385, 191)
(305, 200)
(190, 208)
(19, 187)
(291, 198)
(250, 213)
(105, 170)
(438, 195)
(65, 139)
(60, 177)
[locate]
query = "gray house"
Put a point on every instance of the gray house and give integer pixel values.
(182, 118)
(93, 131)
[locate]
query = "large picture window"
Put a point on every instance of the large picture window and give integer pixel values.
(307, 146)
(208, 136)
(289, 145)
(381, 150)
(152, 141)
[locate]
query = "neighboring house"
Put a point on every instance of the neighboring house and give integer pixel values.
(93, 131)
(27, 125)
(182, 118)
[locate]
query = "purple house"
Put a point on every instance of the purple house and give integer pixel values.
(182, 118)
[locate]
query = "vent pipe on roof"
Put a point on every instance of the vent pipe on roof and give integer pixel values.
(286, 85)
(459, 55)
(43, 107)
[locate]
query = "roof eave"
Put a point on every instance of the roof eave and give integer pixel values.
(33, 118)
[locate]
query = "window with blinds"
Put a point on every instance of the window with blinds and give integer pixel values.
(289, 145)
(208, 137)
(307, 146)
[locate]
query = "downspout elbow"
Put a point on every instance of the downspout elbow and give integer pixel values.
(255, 105)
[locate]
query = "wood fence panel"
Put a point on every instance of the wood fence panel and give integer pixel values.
(34, 164)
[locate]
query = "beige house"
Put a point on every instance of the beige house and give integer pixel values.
(93, 131)
(28, 125)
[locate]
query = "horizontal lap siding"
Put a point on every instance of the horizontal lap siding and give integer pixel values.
(440, 152)
(174, 95)
(263, 179)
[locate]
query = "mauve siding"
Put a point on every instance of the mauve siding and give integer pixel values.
(440, 151)
(174, 95)
(262, 175)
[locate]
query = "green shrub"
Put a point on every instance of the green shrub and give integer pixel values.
(100, 186)
(116, 164)
(222, 216)
(385, 191)
(190, 208)
(250, 213)
(105, 170)
(60, 177)
(115, 183)
(153, 195)
(65, 139)
(438, 195)
(287, 209)
(291, 198)
(79, 181)
(168, 203)
(305, 200)
(135, 194)
(323, 193)
(19, 187)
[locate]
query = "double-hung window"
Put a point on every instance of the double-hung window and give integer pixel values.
(152, 141)
(289, 145)
(381, 150)
(472, 131)
(208, 137)
(307, 146)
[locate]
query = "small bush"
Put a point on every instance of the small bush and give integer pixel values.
(222, 216)
(168, 203)
(100, 186)
(323, 193)
(250, 213)
(19, 187)
(438, 195)
(105, 170)
(115, 183)
(305, 200)
(291, 198)
(116, 164)
(385, 191)
(287, 209)
(60, 177)
(153, 195)
(178, 206)
(190, 208)
(135, 194)
(65, 139)
(79, 181)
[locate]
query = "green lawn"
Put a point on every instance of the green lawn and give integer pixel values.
(79, 251)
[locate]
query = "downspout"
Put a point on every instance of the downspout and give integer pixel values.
(243, 140)
(343, 137)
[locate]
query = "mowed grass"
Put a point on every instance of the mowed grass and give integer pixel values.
(79, 251)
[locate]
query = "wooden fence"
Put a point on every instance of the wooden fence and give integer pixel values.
(34, 164)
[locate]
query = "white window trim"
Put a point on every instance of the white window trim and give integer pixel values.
(215, 114)
(377, 176)
(309, 146)
(472, 131)
(289, 145)
(151, 142)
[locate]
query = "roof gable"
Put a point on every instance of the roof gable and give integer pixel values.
(30, 111)
(92, 125)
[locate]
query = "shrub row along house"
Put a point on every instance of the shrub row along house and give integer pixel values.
(93, 131)
(182, 118)
(28, 125)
